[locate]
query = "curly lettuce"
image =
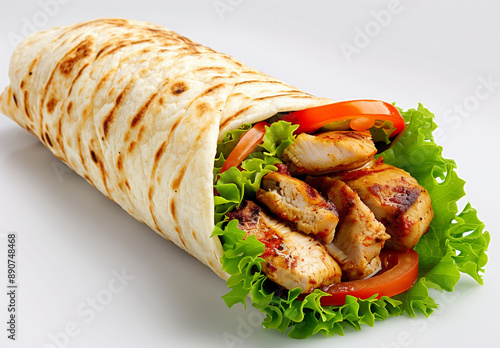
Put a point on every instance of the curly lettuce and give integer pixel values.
(235, 184)
(455, 244)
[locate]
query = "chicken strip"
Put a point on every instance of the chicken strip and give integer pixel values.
(295, 201)
(292, 258)
(329, 152)
(359, 236)
(396, 199)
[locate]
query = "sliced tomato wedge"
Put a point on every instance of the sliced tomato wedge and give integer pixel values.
(399, 272)
(246, 145)
(361, 113)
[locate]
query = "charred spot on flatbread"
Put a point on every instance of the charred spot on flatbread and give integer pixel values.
(47, 139)
(78, 53)
(51, 104)
(94, 156)
(14, 98)
(140, 114)
(178, 88)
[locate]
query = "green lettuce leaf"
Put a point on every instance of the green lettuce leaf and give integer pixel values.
(455, 244)
(234, 184)
(381, 131)
(278, 136)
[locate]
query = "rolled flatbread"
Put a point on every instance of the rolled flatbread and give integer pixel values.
(137, 110)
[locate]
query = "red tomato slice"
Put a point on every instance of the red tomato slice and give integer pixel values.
(246, 145)
(362, 113)
(399, 273)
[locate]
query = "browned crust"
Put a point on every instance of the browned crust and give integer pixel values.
(140, 114)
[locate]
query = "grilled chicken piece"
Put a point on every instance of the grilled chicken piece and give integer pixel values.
(295, 201)
(396, 199)
(329, 152)
(292, 258)
(359, 236)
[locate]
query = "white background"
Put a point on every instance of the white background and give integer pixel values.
(71, 238)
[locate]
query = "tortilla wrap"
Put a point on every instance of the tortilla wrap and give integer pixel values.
(137, 110)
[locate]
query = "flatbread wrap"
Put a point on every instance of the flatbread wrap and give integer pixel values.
(141, 112)
(137, 110)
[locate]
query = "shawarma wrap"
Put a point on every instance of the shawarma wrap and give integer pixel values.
(151, 119)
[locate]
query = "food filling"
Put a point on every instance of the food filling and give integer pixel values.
(323, 207)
